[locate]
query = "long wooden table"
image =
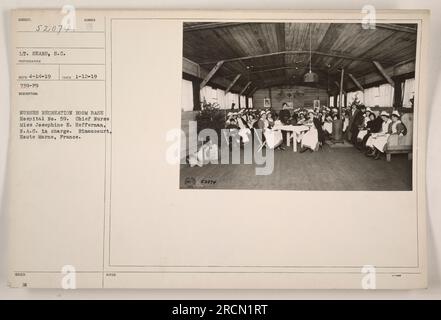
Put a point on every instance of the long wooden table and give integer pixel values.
(293, 132)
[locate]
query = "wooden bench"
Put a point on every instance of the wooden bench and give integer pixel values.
(401, 144)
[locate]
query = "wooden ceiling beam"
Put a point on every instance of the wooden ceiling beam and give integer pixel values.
(320, 53)
(356, 82)
(402, 69)
(299, 67)
(211, 73)
(401, 63)
(366, 52)
(245, 88)
(232, 83)
(253, 91)
(337, 84)
(383, 72)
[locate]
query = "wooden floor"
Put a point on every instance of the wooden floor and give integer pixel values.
(328, 169)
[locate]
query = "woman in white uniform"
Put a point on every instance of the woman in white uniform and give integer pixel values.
(310, 138)
(395, 127)
(384, 127)
(244, 130)
(327, 124)
(378, 141)
(274, 138)
(369, 116)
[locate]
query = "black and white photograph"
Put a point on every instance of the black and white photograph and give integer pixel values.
(298, 106)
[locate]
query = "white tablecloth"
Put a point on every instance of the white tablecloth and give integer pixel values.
(295, 131)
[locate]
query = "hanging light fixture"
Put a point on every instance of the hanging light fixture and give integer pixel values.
(310, 77)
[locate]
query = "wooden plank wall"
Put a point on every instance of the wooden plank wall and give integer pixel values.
(300, 96)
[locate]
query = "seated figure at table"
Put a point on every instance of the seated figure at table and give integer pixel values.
(262, 122)
(250, 119)
(244, 129)
(270, 118)
(309, 140)
(378, 140)
(301, 118)
(273, 136)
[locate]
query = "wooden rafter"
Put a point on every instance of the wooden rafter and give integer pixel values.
(341, 64)
(300, 68)
(252, 91)
(232, 83)
(383, 72)
(211, 73)
(356, 82)
(404, 62)
(245, 88)
(320, 53)
(288, 67)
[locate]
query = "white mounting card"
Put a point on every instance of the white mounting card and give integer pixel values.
(108, 189)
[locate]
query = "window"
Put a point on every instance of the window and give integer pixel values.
(408, 92)
(187, 103)
(355, 95)
(250, 102)
(217, 96)
(232, 98)
(243, 102)
(208, 94)
(381, 96)
(221, 99)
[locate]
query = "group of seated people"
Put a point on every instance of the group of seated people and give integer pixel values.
(368, 131)
(272, 123)
(365, 130)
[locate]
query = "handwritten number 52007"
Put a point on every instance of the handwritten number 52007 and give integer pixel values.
(50, 28)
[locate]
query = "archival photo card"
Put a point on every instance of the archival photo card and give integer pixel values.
(217, 149)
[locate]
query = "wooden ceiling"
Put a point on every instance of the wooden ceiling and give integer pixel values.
(271, 54)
